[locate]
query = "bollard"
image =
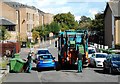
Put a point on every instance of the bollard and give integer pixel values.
(99, 46)
(105, 47)
(102, 46)
(95, 45)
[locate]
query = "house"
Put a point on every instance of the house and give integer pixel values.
(48, 18)
(8, 19)
(25, 17)
(112, 23)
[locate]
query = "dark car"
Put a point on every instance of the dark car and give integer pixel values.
(112, 63)
(46, 61)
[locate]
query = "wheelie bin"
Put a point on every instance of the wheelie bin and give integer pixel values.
(12, 64)
(16, 65)
(16, 55)
(19, 65)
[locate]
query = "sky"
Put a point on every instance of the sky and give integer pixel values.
(77, 7)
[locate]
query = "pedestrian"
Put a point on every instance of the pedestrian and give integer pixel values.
(29, 63)
(79, 60)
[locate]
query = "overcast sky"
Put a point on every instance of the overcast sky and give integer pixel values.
(77, 7)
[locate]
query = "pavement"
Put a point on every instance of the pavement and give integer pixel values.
(3, 74)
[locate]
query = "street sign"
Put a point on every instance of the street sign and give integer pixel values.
(29, 34)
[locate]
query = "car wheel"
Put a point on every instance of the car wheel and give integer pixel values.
(94, 64)
(58, 67)
(38, 70)
(104, 70)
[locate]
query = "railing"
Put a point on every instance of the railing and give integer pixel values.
(105, 49)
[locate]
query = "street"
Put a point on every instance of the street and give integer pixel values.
(88, 75)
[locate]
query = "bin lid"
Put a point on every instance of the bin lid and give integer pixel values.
(16, 54)
(20, 60)
(13, 59)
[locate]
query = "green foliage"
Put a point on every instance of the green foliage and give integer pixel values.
(64, 27)
(66, 21)
(46, 29)
(85, 23)
(54, 27)
(39, 31)
(84, 19)
(98, 22)
(4, 35)
(35, 35)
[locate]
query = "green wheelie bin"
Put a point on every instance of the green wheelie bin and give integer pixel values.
(19, 65)
(12, 64)
(16, 65)
(16, 55)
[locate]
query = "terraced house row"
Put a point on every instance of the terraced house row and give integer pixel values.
(20, 19)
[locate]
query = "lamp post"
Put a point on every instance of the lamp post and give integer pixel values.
(30, 38)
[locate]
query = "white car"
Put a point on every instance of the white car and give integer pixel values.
(97, 59)
(91, 50)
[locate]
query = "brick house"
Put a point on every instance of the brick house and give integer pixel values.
(25, 17)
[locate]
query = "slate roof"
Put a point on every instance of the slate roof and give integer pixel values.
(6, 22)
(115, 7)
(17, 6)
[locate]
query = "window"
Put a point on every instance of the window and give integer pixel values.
(100, 56)
(45, 57)
(91, 51)
(43, 52)
(10, 28)
(33, 17)
(28, 27)
(27, 16)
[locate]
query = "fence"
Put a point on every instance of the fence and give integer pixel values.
(9, 48)
(105, 49)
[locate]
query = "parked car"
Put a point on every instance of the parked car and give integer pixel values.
(97, 59)
(45, 61)
(42, 51)
(91, 50)
(112, 63)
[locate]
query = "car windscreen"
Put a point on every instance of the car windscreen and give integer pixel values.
(116, 58)
(43, 52)
(45, 57)
(100, 56)
(91, 51)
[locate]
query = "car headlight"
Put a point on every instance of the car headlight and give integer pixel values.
(114, 65)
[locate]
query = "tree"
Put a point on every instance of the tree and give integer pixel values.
(84, 19)
(66, 20)
(42, 30)
(85, 23)
(35, 35)
(98, 27)
(54, 27)
(98, 22)
(4, 35)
